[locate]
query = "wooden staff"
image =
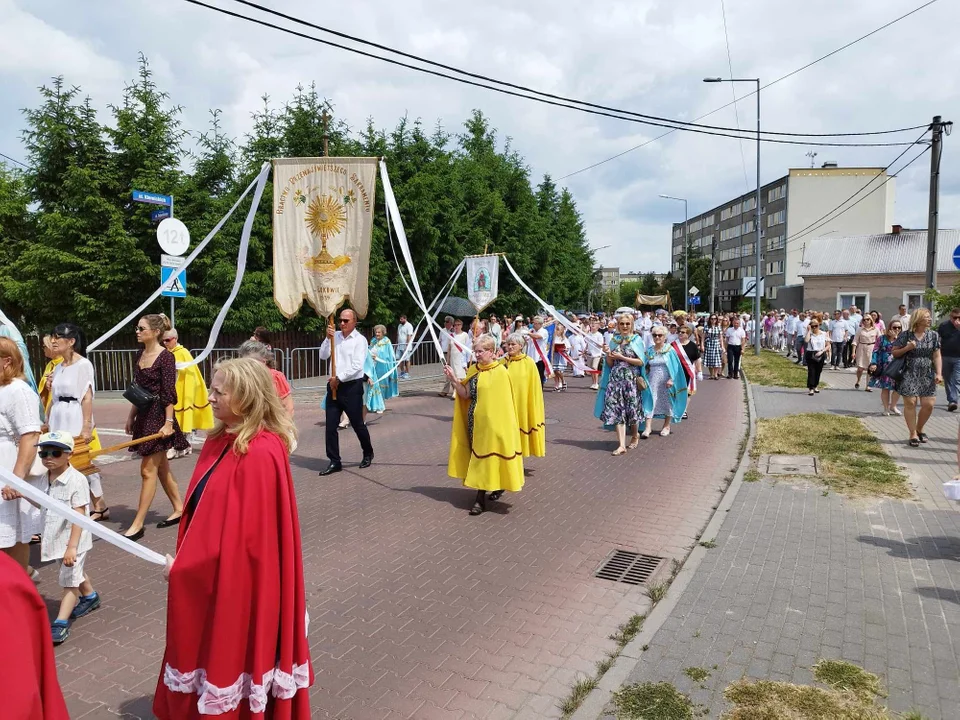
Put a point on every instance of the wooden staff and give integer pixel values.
(82, 457)
(333, 358)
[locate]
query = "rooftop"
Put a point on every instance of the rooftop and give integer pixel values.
(903, 252)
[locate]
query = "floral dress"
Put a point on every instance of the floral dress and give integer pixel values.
(711, 346)
(919, 377)
(159, 379)
(882, 354)
(621, 403)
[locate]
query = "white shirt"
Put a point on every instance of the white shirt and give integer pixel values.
(735, 335)
(460, 350)
(838, 330)
(351, 354)
(594, 349)
(540, 338)
(72, 381)
(445, 339)
(857, 318)
(902, 319)
(790, 324)
(71, 489)
(817, 343)
(404, 333)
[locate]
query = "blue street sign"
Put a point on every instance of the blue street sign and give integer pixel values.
(179, 287)
(695, 300)
(151, 198)
(158, 215)
(956, 257)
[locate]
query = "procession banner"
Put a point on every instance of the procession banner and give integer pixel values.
(322, 227)
(482, 279)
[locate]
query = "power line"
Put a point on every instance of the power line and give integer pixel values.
(733, 89)
(487, 79)
(14, 160)
(773, 82)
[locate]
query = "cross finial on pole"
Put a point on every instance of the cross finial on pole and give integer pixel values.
(325, 119)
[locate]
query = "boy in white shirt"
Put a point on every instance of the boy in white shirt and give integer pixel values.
(61, 539)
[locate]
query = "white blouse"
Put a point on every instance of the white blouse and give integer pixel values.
(818, 342)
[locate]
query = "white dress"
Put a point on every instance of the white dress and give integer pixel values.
(19, 415)
(70, 381)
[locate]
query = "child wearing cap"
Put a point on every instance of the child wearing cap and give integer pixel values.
(61, 539)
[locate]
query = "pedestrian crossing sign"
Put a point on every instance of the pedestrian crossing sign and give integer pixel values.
(179, 287)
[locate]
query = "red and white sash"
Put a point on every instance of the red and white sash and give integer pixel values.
(687, 366)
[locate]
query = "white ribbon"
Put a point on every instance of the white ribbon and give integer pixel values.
(259, 182)
(65, 511)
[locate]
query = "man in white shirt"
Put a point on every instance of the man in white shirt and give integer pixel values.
(901, 317)
(790, 328)
(537, 346)
(852, 328)
(856, 317)
(839, 331)
(595, 351)
(459, 351)
(404, 340)
(351, 353)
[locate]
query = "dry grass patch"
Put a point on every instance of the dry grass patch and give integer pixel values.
(852, 460)
(653, 701)
(770, 368)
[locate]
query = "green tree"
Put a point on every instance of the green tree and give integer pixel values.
(649, 285)
(628, 293)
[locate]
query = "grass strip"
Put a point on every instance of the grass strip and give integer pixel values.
(770, 368)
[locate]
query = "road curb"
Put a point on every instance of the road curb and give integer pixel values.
(632, 654)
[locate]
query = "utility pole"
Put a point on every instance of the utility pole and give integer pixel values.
(936, 151)
(713, 270)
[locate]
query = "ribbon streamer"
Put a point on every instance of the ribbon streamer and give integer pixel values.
(38, 497)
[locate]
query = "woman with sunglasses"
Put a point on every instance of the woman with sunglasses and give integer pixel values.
(882, 355)
(618, 402)
(922, 372)
(712, 347)
(156, 372)
(816, 354)
(863, 343)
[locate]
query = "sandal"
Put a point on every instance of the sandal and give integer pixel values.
(665, 432)
(34, 539)
(856, 386)
(914, 442)
(619, 451)
(496, 495)
(101, 515)
(645, 434)
(922, 437)
(633, 444)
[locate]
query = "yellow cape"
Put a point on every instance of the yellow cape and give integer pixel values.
(193, 411)
(528, 401)
(42, 385)
(494, 460)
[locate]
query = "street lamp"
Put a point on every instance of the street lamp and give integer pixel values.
(756, 287)
(686, 263)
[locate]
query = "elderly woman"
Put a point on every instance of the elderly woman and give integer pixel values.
(665, 393)
(921, 373)
(236, 609)
(384, 364)
(260, 352)
(882, 355)
(527, 399)
(618, 402)
(19, 431)
(485, 447)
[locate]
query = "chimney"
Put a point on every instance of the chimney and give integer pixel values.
(829, 164)
(896, 229)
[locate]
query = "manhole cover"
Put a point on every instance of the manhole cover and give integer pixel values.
(628, 567)
(789, 464)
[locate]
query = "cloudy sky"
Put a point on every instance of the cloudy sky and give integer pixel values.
(647, 56)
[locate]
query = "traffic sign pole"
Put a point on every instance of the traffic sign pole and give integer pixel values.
(173, 311)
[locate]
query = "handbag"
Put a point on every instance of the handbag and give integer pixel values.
(894, 369)
(139, 397)
(641, 383)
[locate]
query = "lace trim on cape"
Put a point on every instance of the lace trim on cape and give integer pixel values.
(215, 700)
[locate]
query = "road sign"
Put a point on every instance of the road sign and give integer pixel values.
(695, 300)
(173, 236)
(168, 266)
(748, 286)
(956, 257)
(694, 290)
(161, 214)
(152, 198)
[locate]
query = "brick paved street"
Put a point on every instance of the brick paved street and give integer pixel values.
(418, 610)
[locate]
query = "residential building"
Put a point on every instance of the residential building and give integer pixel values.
(794, 209)
(875, 272)
(609, 278)
(639, 276)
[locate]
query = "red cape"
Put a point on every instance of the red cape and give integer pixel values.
(236, 613)
(27, 663)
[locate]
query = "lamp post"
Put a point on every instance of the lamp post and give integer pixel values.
(756, 288)
(686, 263)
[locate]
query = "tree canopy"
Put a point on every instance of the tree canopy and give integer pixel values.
(75, 247)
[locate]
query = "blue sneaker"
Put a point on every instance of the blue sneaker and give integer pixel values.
(60, 630)
(86, 604)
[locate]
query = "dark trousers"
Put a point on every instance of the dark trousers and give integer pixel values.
(838, 349)
(814, 368)
(541, 371)
(350, 401)
(848, 353)
(800, 348)
(733, 360)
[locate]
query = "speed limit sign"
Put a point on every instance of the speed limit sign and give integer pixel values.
(173, 236)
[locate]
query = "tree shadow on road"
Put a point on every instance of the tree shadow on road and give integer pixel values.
(938, 593)
(140, 708)
(926, 548)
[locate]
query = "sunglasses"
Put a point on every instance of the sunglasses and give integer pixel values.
(896, 327)
(50, 453)
(167, 340)
(343, 320)
(140, 328)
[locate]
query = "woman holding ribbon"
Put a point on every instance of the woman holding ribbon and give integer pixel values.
(485, 445)
(665, 394)
(618, 402)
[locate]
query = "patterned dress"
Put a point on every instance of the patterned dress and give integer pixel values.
(621, 403)
(919, 377)
(711, 346)
(882, 354)
(657, 376)
(160, 379)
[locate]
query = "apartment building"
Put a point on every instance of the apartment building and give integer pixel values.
(795, 208)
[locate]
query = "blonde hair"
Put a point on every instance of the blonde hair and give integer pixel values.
(9, 349)
(916, 315)
(254, 399)
(48, 342)
(485, 342)
(159, 323)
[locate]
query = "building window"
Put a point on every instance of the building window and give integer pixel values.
(777, 193)
(747, 250)
(771, 293)
(748, 227)
(775, 243)
(677, 233)
(775, 218)
(708, 221)
(749, 204)
(696, 225)
(775, 267)
(860, 299)
(913, 299)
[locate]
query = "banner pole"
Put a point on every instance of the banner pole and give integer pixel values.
(333, 357)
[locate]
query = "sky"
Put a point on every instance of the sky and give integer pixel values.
(646, 56)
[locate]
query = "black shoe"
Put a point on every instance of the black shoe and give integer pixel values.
(136, 536)
(169, 523)
(366, 462)
(331, 469)
(951, 407)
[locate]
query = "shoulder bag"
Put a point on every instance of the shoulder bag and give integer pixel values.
(138, 397)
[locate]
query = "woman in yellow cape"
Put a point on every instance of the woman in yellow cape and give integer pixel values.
(192, 411)
(485, 449)
(527, 398)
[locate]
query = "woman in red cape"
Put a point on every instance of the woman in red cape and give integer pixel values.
(236, 612)
(27, 664)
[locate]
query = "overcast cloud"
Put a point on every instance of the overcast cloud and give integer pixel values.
(643, 55)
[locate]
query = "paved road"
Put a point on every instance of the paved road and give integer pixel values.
(417, 609)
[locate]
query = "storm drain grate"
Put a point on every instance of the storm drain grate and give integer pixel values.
(628, 567)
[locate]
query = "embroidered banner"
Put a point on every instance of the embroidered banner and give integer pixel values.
(482, 279)
(322, 225)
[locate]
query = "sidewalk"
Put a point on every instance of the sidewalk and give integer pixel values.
(798, 575)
